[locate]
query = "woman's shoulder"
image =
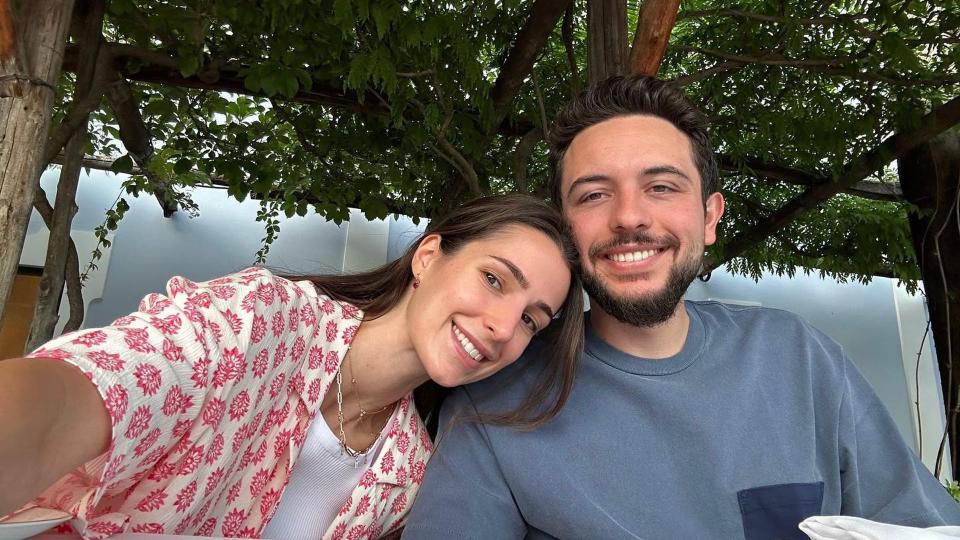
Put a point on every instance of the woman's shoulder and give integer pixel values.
(262, 284)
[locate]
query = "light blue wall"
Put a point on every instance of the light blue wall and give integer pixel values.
(148, 249)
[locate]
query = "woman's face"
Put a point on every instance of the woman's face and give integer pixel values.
(476, 310)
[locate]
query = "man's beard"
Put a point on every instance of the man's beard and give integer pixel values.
(649, 309)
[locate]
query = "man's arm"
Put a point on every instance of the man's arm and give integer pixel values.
(464, 493)
(883, 479)
(52, 420)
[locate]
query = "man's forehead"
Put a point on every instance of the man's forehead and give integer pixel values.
(640, 139)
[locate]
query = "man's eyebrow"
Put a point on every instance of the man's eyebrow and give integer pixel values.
(522, 279)
(664, 169)
(586, 179)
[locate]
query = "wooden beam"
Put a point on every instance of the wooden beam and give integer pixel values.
(29, 76)
(654, 26)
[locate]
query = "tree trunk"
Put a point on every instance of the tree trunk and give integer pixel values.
(26, 100)
(653, 33)
(930, 176)
(88, 18)
(606, 39)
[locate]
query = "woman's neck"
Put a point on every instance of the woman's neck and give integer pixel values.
(382, 361)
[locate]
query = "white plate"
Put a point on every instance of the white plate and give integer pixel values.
(26, 529)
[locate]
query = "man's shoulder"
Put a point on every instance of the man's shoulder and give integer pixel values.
(750, 318)
(510, 386)
(765, 328)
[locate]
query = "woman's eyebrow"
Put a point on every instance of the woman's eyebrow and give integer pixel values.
(522, 280)
(517, 273)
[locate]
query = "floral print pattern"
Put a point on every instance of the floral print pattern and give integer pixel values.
(210, 391)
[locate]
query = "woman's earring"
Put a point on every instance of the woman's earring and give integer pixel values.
(416, 281)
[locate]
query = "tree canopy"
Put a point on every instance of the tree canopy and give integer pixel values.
(392, 106)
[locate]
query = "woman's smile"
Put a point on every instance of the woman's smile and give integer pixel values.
(464, 345)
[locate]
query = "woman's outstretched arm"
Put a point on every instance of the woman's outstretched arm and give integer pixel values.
(52, 420)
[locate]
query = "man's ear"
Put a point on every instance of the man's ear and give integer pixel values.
(712, 213)
(426, 253)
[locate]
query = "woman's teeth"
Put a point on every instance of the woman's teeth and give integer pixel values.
(633, 256)
(467, 345)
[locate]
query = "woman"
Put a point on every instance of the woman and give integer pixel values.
(200, 416)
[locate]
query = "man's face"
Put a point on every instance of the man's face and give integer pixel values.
(632, 194)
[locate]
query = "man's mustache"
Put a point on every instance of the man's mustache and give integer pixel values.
(667, 241)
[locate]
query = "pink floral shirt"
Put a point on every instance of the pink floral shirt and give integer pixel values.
(210, 391)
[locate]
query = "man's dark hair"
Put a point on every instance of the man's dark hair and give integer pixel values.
(625, 96)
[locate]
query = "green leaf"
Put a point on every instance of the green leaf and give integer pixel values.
(253, 81)
(182, 165)
(159, 107)
(123, 164)
(188, 65)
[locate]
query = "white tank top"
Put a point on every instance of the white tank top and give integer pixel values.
(320, 482)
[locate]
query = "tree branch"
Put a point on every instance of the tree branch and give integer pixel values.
(723, 67)
(72, 278)
(847, 21)
(566, 33)
(137, 140)
(543, 17)
(8, 35)
(88, 24)
(932, 124)
(522, 155)
(222, 77)
(768, 59)
(866, 189)
(841, 66)
(80, 108)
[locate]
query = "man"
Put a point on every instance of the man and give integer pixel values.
(688, 419)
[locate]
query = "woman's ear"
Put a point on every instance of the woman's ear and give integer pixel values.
(426, 253)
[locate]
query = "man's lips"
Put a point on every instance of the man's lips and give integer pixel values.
(627, 254)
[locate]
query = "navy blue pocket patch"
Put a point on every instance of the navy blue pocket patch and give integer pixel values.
(773, 512)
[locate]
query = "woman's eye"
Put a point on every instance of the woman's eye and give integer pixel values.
(492, 280)
(531, 324)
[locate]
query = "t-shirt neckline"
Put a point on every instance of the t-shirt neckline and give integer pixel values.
(596, 347)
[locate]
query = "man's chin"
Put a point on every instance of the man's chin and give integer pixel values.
(647, 308)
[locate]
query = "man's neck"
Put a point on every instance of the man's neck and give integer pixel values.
(654, 342)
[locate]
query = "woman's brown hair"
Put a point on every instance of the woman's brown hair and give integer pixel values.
(377, 291)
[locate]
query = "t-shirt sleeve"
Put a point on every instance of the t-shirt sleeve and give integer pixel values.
(154, 367)
(464, 494)
(882, 478)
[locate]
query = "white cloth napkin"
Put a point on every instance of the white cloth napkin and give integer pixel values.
(854, 528)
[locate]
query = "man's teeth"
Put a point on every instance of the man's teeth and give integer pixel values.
(633, 256)
(467, 345)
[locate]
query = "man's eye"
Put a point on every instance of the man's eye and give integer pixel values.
(493, 280)
(595, 196)
(530, 322)
(660, 188)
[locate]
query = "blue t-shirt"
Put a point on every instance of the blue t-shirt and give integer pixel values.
(759, 422)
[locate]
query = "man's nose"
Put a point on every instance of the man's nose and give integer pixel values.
(629, 213)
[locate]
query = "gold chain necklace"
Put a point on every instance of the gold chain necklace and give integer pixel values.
(357, 455)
